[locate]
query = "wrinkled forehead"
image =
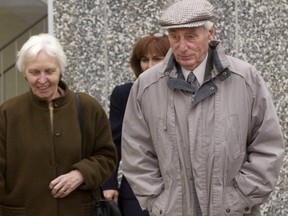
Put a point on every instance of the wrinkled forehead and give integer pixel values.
(185, 30)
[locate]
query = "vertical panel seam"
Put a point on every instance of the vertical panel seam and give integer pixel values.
(236, 29)
(106, 56)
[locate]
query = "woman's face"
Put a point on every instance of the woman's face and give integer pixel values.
(43, 75)
(149, 60)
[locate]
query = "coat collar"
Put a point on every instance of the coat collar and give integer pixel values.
(216, 67)
(57, 101)
(217, 63)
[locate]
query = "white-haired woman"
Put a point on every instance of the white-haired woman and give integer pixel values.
(42, 171)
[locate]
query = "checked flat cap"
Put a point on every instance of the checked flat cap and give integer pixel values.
(187, 13)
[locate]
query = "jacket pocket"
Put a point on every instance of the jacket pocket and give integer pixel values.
(234, 203)
(163, 142)
(232, 136)
(12, 211)
(159, 205)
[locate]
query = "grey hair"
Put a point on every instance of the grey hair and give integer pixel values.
(37, 43)
(208, 25)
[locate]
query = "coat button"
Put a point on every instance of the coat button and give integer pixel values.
(228, 210)
(211, 88)
(246, 209)
(57, 132)
(224, 73)
(160, 212)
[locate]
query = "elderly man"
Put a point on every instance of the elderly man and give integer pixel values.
(200, 134)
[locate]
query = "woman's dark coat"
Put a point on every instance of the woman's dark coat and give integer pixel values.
(32, 155)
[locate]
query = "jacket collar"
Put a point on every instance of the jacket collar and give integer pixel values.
(219, 59)
(216, 67)
(217, 63)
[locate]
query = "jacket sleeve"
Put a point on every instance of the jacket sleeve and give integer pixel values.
(265, 147)
(139, 160)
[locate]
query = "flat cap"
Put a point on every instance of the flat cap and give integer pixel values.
(187, 13)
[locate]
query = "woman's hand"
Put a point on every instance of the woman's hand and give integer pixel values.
(65, 184)
(111, 195)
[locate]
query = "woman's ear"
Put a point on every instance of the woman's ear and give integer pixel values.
(24, 75)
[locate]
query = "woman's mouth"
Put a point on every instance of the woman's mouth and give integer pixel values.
(43, 87)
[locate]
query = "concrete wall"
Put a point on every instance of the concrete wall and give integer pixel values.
(98, 36)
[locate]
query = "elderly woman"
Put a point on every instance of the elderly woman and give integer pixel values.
(147, 51)
(42, 172)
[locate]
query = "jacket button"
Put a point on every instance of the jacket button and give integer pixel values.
(57, 132)
(160, 212)
(246, 209)
(228, 210)
(211, 88)
(224, 73)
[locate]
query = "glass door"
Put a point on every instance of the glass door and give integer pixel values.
(19, 19)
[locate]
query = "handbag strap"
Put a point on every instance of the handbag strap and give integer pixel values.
(79, 116)
(78, 106)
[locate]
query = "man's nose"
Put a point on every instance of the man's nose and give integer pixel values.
(182, 44)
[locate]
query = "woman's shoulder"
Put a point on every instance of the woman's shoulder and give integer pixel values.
(123, 86)
(16, 102)
(87, 101)
(122, 89)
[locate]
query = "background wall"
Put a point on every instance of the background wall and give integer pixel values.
(98, 36)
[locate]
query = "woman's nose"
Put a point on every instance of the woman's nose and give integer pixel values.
(151, 63)
(42, 78)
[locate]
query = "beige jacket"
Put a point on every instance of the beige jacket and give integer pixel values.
(226, 141)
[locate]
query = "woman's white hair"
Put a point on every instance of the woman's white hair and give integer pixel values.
(37, 43)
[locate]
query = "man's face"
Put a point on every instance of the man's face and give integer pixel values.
(190, 45)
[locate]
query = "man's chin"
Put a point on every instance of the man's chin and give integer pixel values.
(187, 66)
(188, 62)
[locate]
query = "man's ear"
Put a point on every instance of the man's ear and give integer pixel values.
(212, 33)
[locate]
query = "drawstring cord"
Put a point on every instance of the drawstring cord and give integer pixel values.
(166, 112)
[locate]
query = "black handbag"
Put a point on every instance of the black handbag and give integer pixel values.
(101, 207)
